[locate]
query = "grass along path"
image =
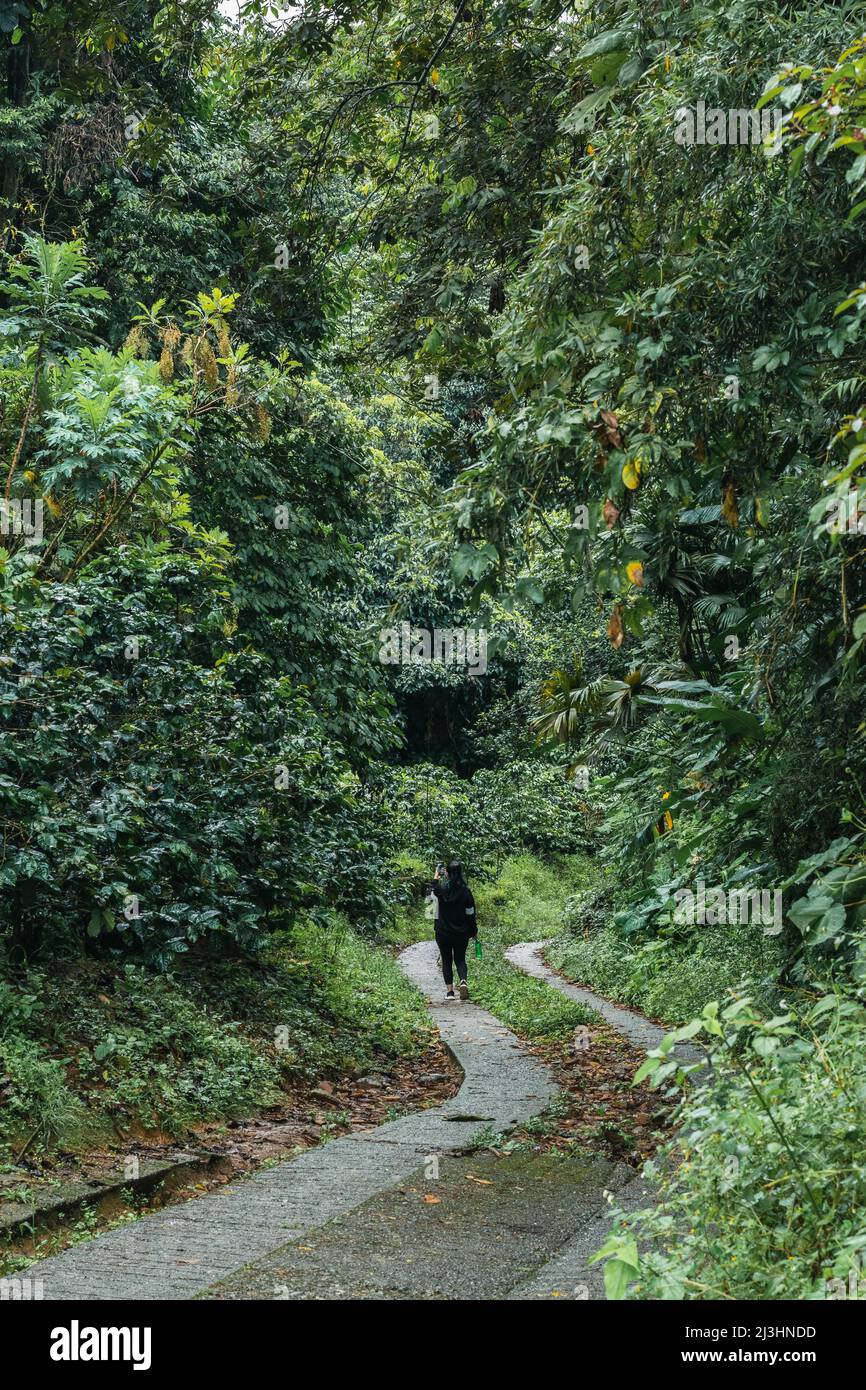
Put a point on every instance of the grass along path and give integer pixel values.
(180, 1252)
(526, 899)
(249, 1061)
(598, 1106)
(368, 1195)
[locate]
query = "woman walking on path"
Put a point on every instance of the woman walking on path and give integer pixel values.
(455, 925)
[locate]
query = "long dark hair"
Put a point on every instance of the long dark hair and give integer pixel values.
(455, 877)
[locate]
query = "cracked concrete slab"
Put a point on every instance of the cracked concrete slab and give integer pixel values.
(481, 1227)
(569, 1274)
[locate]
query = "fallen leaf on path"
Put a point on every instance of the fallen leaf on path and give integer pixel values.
(482, 1182)
(430, 1199)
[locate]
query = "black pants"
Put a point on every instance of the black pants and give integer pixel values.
(452, 943)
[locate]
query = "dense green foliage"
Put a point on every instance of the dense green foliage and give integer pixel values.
(319, 322)
(768, 1202)
(91, 1053)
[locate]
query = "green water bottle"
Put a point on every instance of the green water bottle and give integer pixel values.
(477, 949)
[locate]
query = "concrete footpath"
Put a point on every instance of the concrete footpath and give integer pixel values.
(179, 1251)
(641, 1031)
(404, 1211)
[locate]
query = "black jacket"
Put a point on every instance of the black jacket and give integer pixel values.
(456, 907)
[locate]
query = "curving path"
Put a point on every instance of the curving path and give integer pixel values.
(641, 1031)
(178, 1252)
(484, 1226)
(400, 1212)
